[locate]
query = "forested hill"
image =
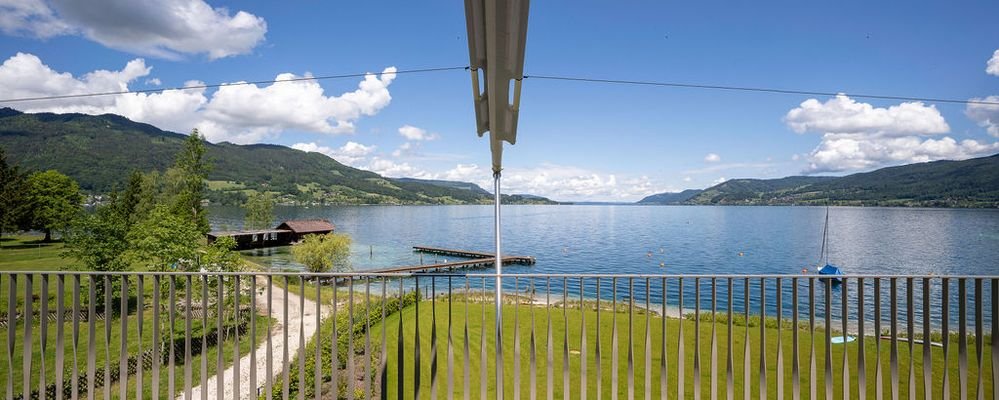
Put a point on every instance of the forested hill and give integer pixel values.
(967, 183)
(100, 151)
(671, 198)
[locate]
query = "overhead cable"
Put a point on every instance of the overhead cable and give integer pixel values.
(218, 85)
(760, 89)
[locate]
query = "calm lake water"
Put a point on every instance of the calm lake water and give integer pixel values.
(685, 239)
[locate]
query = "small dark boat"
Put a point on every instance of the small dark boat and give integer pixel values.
(831, 272)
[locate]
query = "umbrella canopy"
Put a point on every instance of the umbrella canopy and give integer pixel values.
(497, 37)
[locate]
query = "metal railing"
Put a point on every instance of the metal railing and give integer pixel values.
(82, 335)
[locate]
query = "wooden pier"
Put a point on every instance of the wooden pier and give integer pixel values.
(472, 254)
(478, 260)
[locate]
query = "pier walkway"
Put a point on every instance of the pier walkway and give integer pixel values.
(477, 260)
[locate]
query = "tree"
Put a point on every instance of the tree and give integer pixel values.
(259, 211)
(149, 191)
(165, 241)
(324, 253)
(128, 201)
(54, 201)
(12, 194)
(187, 181)
(99, 239)
(220, 257)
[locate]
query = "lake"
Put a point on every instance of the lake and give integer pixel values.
(665, 239)
(688, 239)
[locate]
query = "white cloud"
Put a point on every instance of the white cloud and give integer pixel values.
(351, 153)
(558, 182)
(842, 114)
(837, 153)
(154, 81)
(719, 180)
(413, 133)
(464, 173)
(239, 114)
(992, 67)
(795, 157)
(298, 105)
(712, 157)
(312, 147)
(394, 169)
(564, 183)
(31, 18)
(859, 136)
(403, 149)
(687, 179)
(162, 28)
(986, 115)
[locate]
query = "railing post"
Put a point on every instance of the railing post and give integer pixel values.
(566, 389)
(28, 338)
(878, 378)
(844, 320)
(795, 371)
(43, 322)
(763, 338)
(945, 321)
(11, 331)
(861, 368)
(927, 360)
(24, 314)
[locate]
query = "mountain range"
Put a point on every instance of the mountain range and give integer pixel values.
(99, 151)
(967, 183)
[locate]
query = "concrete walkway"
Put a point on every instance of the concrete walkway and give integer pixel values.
(296, 322)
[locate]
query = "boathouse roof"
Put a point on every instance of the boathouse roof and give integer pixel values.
(303, 226)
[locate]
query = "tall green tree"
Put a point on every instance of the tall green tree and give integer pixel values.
(150, 192)
(13, 191)
(187, 181)
(165, 241)
(128, 200)
(54, 201)
(324, 253)
(99, 239)
(259, 211)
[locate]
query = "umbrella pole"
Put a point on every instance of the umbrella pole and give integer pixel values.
(499, 291)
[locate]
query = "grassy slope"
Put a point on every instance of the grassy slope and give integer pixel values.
(476, 327)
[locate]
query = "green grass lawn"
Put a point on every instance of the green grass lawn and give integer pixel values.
(109, 348)
(481, 320)
(28, 253)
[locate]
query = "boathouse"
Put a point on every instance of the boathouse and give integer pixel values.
(288, 232)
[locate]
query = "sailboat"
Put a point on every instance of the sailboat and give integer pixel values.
(830, 271)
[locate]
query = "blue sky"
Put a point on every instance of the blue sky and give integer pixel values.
(576, 141)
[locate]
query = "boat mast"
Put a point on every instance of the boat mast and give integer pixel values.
(824, 253)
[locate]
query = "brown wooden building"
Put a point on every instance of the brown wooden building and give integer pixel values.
(287, 233)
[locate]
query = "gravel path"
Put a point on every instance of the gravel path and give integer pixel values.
(296, 323)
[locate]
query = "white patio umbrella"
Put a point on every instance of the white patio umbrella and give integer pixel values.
(497, 37)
